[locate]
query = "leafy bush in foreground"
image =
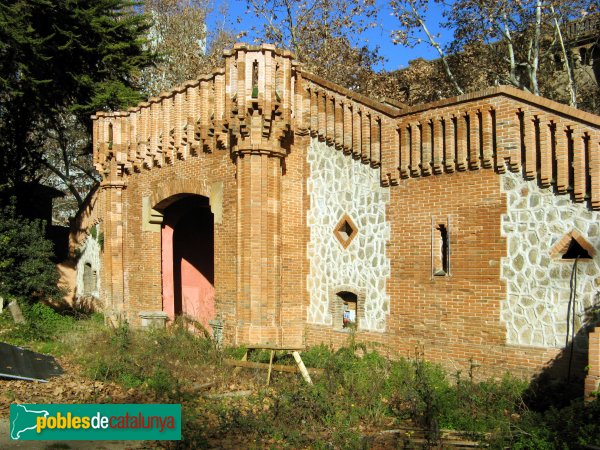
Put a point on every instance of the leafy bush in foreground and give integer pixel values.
(26, 269)
(43, 323)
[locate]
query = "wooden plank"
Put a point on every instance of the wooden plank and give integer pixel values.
(270, 367)
(275, 367)
(302, 367)
(273, 347)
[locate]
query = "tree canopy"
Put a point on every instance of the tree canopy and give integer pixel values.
(523, 44)
(323, 34)
(75, 56)
(185, 46)
(60, 61)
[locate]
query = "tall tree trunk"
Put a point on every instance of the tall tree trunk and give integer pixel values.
(571, 86)
(534, 60)
(513, 78)
(440, 51)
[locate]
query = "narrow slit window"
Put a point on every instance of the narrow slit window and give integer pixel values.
(441, 250)
(255, 79)
(110, 135)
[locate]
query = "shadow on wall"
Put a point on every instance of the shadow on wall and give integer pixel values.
(562, 380)
(188, 259)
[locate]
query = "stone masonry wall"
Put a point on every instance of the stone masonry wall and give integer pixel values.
(339, 186)
(538, 282)
(439, 163)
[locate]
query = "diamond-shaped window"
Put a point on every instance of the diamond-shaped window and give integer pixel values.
(345, 231)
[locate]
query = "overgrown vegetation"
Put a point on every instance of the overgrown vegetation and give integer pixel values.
(47, 330)
(162, 361)
(359, 393)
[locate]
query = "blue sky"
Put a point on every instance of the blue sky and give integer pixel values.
(396, 55)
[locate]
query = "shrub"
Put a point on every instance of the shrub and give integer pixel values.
(139, 357)
(576, 426)
(43, 323)
(26, 268)
(317, 356)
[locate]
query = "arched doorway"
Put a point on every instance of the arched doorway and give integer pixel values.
(188, 273)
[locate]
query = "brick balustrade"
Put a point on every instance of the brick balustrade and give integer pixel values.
(500, 128)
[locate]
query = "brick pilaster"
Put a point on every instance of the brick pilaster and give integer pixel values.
(592, 380)
(113, 279)
(259, 250)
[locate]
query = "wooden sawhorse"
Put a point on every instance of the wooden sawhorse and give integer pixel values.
(278, 367)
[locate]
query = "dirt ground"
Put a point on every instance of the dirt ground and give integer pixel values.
(71, 387)
(7, 443)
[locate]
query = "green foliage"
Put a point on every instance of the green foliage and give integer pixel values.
(576, 426)
(234, 352)
(43, 325)
(358, 390)
(65, 53)
(361, 388)
(26, 269)
(317, 356)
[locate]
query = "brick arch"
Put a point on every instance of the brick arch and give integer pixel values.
(167, 192)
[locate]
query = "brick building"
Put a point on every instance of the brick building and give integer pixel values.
(292, 210)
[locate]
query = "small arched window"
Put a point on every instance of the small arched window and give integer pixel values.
(345, 310)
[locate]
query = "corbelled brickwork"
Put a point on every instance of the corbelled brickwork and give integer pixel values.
(325, 201)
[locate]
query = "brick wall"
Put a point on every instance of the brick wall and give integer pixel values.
(142, 248)
(592, 380)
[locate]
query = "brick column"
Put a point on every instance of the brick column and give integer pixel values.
(592, 380)
(258, 318)
(113, 267)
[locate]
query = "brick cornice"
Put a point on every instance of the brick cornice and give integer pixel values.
(359, 98)
(512, 93)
